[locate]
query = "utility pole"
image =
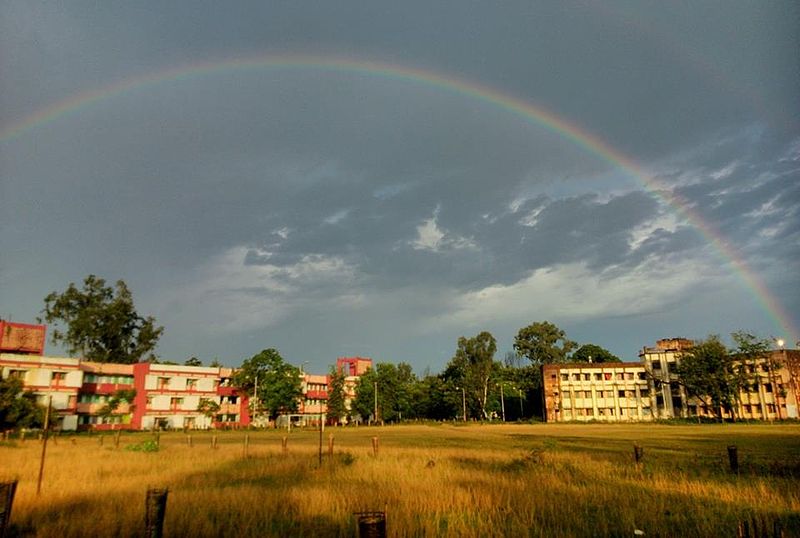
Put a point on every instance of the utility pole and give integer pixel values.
(44, 444)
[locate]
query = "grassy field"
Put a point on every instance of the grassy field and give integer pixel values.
(432, 480)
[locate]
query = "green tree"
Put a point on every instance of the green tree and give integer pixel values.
(473, 368)
(18, 408)
(364, 402)
(209, 408)
(593, 353)
(543, 343)
(710, 373)
(274, 385)
(395, 385)
(337, 410)
(193, 361)
(122, 396)
(102, 324)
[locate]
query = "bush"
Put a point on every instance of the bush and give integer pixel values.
(145, 446)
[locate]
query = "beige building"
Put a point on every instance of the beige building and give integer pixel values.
(608, 392)
(650, 389)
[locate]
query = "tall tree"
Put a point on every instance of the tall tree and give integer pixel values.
(274, 385)
(395, 388)
(18, 408)
(593, 353)
(543, 343)
(337, 410)
(473, 367)
(709, 373)
(102, 324)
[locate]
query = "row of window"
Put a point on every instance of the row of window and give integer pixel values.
(112, 379)
(643, 392)
(607, 412)
(604, 376)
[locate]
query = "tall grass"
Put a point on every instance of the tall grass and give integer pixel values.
(436, 480)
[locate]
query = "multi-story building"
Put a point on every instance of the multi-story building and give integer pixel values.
(56, 380)
(609, 392)
(771, 393)
(650, 389)
(315, 394)
(89, 395)
(169, 396)
(353, 368)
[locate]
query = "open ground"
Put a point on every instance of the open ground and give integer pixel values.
(432, 480)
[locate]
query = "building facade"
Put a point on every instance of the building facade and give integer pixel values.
(163, 396)
(606, 392)
(650, 389)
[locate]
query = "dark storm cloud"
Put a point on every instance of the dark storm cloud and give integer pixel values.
(278, 196)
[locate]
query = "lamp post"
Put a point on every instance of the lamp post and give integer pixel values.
(463, 401)
(521, 410)
(502, 403)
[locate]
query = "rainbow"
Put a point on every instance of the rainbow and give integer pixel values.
(479, 92)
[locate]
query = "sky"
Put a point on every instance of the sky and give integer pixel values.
(380, 178)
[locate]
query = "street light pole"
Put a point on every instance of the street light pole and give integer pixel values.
(464, 402)
(502, 403)
(521, 410)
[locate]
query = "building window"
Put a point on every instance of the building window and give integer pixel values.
(598, 376)
(175, 402)
(191, 384)
(768, 387)
(621, 393)
(587, 377)
(642, 376)
(163, 383)
(58, 377)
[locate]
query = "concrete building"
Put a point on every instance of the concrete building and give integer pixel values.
(166, 396)
(607, 392)
(650, 389)
(772, 394)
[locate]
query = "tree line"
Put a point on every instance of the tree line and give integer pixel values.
(100, 323)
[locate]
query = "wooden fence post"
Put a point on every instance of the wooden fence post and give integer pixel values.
(7, 490)
(638, 453)
(155, 510)
(330, 445)
(375, 446)
(214, 441)
(116, 439)
(733, 458)
(285, 444)
(246, 443)
(189, 440)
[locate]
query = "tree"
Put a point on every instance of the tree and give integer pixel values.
(122, 396)
(274, 385)
(593, 353)
(18, 408)
(395, 384)
(709, 373)
(473, 368)
(208, 407)
(539, 342)
(337, 409)
(102, 324)
(193, 361)
(364, 402)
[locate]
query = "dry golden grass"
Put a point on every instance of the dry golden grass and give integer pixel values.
(432, 480)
